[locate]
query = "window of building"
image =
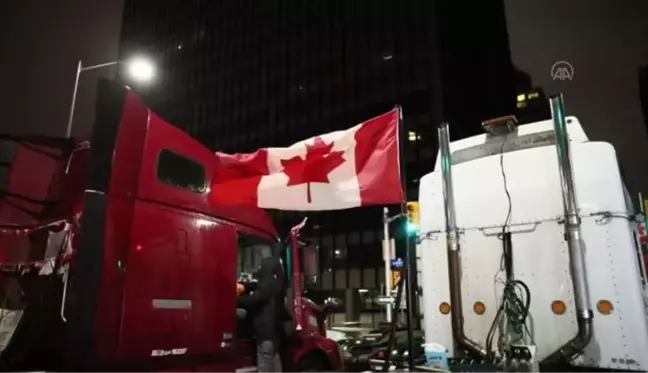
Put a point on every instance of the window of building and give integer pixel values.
(251, 250)
(180, 171)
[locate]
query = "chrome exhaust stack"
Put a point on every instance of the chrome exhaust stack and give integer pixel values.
(577, 264)
(454, 259)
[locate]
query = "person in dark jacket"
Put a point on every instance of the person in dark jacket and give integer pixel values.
(266, 306)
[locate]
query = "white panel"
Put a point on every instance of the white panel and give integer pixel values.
(419, 267)
(574, 131)
(621, 338)
(534, 198)
(480, 262)
(369, 278)
(539, 250)
(438, 327)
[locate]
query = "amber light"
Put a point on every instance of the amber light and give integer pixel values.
(444, 308)
(605, 307)
(479, 308)
(558, 307)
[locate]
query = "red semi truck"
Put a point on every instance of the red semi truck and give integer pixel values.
(113, 258)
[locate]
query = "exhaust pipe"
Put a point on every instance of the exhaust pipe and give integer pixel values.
(454, 260)
(573, 237)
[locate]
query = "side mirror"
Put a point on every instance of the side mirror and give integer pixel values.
(310, 264)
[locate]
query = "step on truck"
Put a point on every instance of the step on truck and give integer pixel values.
(528, 251)
(113, 258)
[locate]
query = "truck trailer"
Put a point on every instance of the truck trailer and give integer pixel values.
(528, 252)
(113, 258)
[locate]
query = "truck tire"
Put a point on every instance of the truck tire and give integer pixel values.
(314, 362)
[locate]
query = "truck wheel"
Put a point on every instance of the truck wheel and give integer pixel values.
(314, 362)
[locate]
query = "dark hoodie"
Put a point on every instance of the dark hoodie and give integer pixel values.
(266, 304)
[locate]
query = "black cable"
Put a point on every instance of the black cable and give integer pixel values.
(507, 221)
(517, 307)
(514, 306)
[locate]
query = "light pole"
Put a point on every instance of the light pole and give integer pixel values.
(139, 69)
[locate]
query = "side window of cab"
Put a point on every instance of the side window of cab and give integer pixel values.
(181, 171)
(251, 250)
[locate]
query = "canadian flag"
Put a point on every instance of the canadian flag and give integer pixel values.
(334, 171)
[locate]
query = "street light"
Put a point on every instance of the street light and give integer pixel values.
(139, 69)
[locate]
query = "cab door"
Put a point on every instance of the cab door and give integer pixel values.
(149, 283)
(179, 291)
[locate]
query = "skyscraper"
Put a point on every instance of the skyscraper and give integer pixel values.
(239, 75)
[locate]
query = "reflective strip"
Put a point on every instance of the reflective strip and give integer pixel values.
(246, 370)
(172, 304)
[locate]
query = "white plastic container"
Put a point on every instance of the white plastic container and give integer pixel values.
(436, 356)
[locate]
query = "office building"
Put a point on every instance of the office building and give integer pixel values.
(239, 75)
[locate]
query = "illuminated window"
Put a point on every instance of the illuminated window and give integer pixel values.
(413, 136)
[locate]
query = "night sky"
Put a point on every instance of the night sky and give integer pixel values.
(606, 41)
(41, 43)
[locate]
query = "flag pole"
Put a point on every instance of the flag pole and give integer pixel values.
(410, 252)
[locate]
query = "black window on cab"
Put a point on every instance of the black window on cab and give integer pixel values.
(180, 171)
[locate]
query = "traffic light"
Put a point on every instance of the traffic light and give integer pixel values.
(412, 218)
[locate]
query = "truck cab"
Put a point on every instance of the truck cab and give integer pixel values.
(112, 256)
(510, 225)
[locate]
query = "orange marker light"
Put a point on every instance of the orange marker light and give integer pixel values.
(444, 308)
(479, 308)
(605, 307)
(558, 307)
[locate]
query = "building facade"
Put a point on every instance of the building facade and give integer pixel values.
(240, 74)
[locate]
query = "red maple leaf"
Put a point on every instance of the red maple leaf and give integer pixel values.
(320, 160)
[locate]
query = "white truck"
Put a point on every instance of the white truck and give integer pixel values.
(543, 211)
